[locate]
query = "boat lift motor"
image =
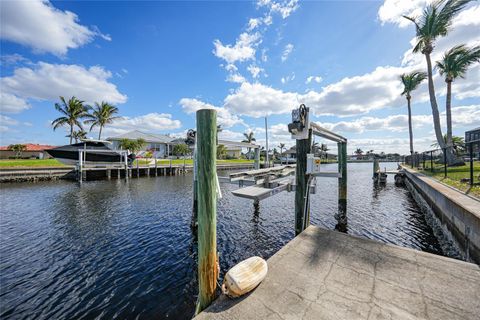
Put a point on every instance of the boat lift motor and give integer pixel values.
(300, 123)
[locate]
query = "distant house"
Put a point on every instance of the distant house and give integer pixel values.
(234, 152)
(36, 151)
(290, 155)
(472, 137)
(159, 144)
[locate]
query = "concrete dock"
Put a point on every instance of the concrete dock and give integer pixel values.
(330, 275)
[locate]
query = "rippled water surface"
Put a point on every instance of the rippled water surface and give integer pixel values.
(124, 249)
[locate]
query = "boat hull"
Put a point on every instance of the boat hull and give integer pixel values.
(96, 153)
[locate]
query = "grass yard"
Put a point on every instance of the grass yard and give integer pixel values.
(455, 174)
(29, 163)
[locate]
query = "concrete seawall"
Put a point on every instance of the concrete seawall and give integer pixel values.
(458, 213)
(96, 173)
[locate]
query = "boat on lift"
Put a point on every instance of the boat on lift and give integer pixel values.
(95, 152)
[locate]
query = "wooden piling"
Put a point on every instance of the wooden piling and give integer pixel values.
(303, 147)
(257, 159)
(342, 187)
(207, 207)
(376, 170)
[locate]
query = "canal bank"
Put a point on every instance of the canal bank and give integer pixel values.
(457, 213)
(324, 274)
(97, 173)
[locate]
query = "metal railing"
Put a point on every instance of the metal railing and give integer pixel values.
(466, 168)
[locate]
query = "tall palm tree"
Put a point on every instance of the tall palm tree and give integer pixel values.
(435, 22)
(103, 113)
(454, 64)
(249, 138)
(410, 82)
(73, 111)
(458, 143)
(358, 152)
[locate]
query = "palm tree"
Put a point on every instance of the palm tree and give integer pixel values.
(249, 138)
(281, 146)
(17, 148)
(324, 149)
(358, 152)
(77, 135)
(457, 142)
(435, 22)
(454, 64)
(103, 113)
(73, 111)
(410, 82)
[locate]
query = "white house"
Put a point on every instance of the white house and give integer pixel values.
(159, 144)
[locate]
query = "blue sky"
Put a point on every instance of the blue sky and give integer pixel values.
(159, 62)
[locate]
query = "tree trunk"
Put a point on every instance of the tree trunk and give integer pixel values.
(410, 130)
(451, 157)
(435, 113)
(100, 133)
(448, 110)
(71, 133)
(433, 104)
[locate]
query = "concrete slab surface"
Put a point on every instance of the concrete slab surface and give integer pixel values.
(325, 274)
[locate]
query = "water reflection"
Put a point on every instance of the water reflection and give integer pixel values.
(125, 248)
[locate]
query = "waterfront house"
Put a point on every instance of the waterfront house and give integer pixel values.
(289, 156)
(233, 152)
(32, 151)
(472, 137)
(159, 144)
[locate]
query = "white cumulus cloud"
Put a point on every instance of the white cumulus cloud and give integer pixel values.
(45, 81)
(149, 122)
(243, 49)
(44, 28)
(258, 100)
(225, 118)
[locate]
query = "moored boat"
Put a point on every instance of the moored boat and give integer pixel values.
(95, 152)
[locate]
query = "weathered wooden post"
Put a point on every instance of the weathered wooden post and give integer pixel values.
(207, 207)
(342, 187)
(303, 147)
(257, 159)
(138, 169)
(376, 170)
(156, 166)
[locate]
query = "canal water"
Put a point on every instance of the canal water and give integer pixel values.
(124, 249)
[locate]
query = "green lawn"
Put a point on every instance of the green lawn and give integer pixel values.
(455, 174)
(28, 163)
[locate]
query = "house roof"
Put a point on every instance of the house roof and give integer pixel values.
(148, 137)
(33, 147)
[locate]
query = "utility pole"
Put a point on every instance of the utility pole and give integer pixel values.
(266, 142)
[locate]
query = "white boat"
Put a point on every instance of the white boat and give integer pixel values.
(97, 151)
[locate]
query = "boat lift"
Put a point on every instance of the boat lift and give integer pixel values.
(263, 183)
